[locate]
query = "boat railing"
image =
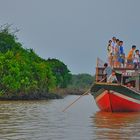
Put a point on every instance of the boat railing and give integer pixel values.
(125, 71)
(127, 80)
(124, 75)
(105, 83)
(100, 63)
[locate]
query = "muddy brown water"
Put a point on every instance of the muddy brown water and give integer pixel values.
(44, 120)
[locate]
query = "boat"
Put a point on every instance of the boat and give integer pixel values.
(117, 97)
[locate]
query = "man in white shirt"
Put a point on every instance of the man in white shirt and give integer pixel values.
(107, 70)
(112, 78)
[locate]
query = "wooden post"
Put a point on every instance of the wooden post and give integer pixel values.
(122, 79)
(138, 82)
(97, 61)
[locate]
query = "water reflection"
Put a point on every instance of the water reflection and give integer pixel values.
(116, 126)
(44, 120)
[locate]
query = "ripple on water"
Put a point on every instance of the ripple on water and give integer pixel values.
(116, 125)
(44, 120)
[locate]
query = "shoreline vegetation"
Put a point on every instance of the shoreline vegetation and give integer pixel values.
(27, 76)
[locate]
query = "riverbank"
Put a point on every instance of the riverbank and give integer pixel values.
(69, 91)
(58, 93)
(33, 96)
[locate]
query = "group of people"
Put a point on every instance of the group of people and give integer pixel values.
(116, 55)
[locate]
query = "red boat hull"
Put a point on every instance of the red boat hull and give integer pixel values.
(111, 101)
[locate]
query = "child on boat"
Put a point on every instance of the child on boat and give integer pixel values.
(113, 44)
(117, 53)
(109, 52)
(109, 48)
(131, 56)
(121, 54)
(136, 59)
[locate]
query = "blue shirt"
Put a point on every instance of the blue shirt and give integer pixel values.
(121, 50)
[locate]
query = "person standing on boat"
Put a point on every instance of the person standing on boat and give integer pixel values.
(109, 48)
(122, 54)
(131, 56)
(107, 71)
(113, 44)
(136, 60)
(109, 53)
(116, 53)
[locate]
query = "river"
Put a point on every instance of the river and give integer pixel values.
(44, 120)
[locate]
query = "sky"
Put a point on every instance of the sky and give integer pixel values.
(74, 31)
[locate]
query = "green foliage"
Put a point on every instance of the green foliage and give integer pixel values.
(81, 81)
(22, 71)
(60, 71)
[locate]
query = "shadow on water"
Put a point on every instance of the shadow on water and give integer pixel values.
(116, 126)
